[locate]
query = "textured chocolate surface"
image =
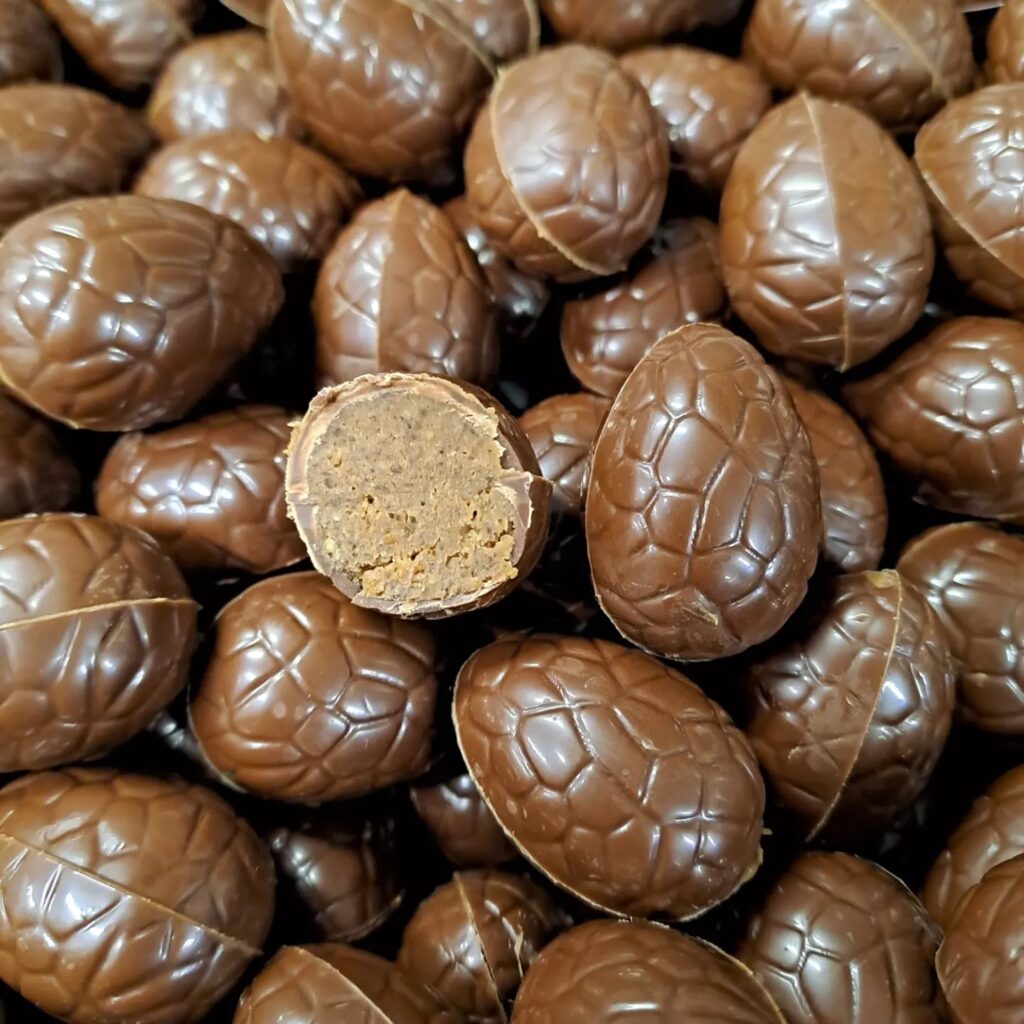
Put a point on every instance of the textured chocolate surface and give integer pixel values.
(613, 774)
(841, 941)
(1005, 44)
(158, 897)
(849, 722)
(97, 628)
(401, 290)
(504, 28)
(157, 300)
(949, 412)
(703, 516)
(679, 282)
(308, 698)
(825, 239)
(29, 47)
(631, 972)
(210, 492)
(709, 103)
(854, 509)
(567, 165)
(219, 83)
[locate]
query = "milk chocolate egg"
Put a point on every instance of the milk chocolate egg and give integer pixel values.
(504, 28)
(1005, 44)
(29, 47)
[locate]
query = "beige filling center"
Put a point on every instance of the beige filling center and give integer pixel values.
(409, 503)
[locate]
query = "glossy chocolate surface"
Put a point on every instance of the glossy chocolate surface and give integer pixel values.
(158, 896)
(1005, 44)
(210, 492)
(848, 723)
(825, 239)
(506, 29)
(29, 47)
(613, 774)
(97, 628)
(157, 300)
(703, 516)
(308, 698)
(841, 941)
(949, 412)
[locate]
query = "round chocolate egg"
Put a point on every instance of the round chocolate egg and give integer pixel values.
(309, 698)
(288, 197)
(506, 29)
(35, 473)
(29, 47)
(397, 522)
(949, 412)
(709, 103)
(841, 941)
(898, 60)
(1005, 48)
(679, 281)
(401, 290)
(58, 142)
(211, 492)
(126, 42)
(613, 774)
(849, 722)
(853, 503)
(220, 83)
(97, 628)
(462, 824)
(703, 516)
(973, 577)
(119, 313)
(473, 939)
(992, 832)
(633, 972)
(567, 165)
(157, 897)
(825, 239)
(972, 163)
(398, 115)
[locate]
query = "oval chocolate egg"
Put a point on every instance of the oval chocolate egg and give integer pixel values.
(158, 896)
(400, 290)
(703, 516)
(1005, 44)
(506, 29)
(157, 300)
(613, 774)
(211, 492)
(825, 239)
(567, 165)
(841, 941)
(29, 47)
(899, 60)
(949, 412)
(288, 197)
(97, 628)
(849, 722)
(308, 698)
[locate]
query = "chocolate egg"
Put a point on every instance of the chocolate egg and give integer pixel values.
(157, 896)
(709, 103)
(35, 473)
(211, 492)
(308, 698)
(119, 313)
(616, 972)
(288, 197)
(992, 832)
(949, 412)
(703, 516)
(899, 60)
(825, 239)
(219, 83)
(972, 163)
(567, 165)
(1005, 44)
(678, 282)
(401, 290)
(397, 116)
(848, 723)
(29, 47)
(853, 503)
(473, 939)
(613, 774)
(841, 941)
(97, 628)
(504, 28)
